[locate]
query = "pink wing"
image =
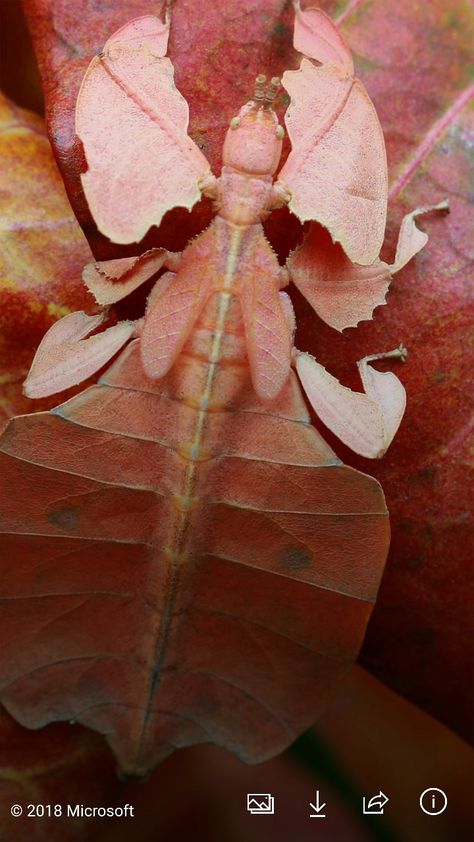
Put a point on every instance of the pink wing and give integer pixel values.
(267, 320)
(336, 172)
(175, 304)
(133, 124)
(171, 319)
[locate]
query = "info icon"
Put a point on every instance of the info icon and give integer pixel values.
(433, 801)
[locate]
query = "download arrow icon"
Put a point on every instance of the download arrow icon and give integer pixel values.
(317, 808)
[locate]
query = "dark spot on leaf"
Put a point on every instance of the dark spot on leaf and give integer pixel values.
(453, 21)
(406, 525)
(428, 474)
(424, 637)
(66, 518)
(414, 562)
(294, 558)
(427, 533)
(281, 32)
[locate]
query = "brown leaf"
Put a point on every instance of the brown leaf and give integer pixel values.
(185, 592)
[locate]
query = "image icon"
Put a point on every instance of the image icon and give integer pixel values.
(260, 803)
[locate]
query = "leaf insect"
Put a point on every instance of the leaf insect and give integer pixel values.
(197, 563)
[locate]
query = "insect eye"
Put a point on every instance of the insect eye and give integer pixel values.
(234, 123)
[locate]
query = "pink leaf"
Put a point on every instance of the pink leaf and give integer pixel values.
(336, 172)
(133, 124)
(111, 280)
(64, 358)
(316, 37)
(344, 293)
(366, 423)
(341, 292)
(410, 239)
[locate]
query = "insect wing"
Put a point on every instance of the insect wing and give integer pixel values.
(286, 549)
(267, 328)
(173, 311)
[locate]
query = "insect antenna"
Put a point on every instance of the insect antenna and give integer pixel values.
(259, 90)
(271, 91)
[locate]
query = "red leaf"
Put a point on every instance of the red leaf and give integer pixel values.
(414, 60)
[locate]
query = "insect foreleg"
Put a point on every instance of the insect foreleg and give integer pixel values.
(279, 196)
(208, 185)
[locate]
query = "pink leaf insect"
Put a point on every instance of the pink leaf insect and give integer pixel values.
(142, 163)
(190, 475)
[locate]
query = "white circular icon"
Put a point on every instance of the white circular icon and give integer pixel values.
(433, 801)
